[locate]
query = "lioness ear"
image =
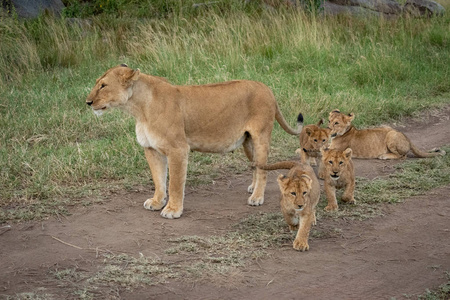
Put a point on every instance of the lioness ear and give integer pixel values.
(348, 153)
(130, 75)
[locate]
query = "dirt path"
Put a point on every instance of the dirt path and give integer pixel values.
(401, 253)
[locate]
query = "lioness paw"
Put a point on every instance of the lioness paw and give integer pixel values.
(331, 208)
(250, 189)
(153, 204)
(255, 201)
(301, 245)
(170, 213)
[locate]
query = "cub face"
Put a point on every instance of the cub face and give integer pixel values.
(295, 191)
(112, 89)
(335, 162)
(314, 137)
(339, 123)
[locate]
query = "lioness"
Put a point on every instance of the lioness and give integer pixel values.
(171, 120)
(300, 193)
(338, 172)
(312, 138)
(381, 142)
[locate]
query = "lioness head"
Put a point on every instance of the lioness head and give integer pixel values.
(335, 162)
(339, 123)
(112, 89)
(314, 137)
(295, 190)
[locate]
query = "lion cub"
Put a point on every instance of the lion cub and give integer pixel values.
(300, 193)
(381, 142)
(338, 172)
(312, 138)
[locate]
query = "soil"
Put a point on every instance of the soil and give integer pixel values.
(399, 254)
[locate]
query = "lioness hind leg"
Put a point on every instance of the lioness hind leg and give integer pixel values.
(248, 150)
(261, 152)
(158, 167)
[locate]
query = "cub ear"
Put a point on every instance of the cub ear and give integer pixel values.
(307, 180)
(282, 181)
(348, 153)
(351, 116)
(324, 149)
(319, 123)
(308, 131)
(334, 111)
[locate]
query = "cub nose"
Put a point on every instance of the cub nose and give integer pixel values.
(89, 102)
(300, 206)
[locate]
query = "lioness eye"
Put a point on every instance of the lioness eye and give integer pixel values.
(294, 194)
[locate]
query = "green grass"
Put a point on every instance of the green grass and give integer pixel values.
(54, 152)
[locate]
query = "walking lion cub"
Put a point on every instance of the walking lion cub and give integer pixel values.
(312, 138)
(381, 142)
(300, 193)
(338, 172)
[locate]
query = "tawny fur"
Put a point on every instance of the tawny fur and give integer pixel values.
(300, 193)
(338, 173)
(172, 120)
(312, 138)
(381, 142)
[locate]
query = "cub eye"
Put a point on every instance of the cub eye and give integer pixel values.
(341, 162)
(304, 193)
(337, 123)
(315, 140)
(323, 140)
(331, 162)
(294, 194)
(102, 86)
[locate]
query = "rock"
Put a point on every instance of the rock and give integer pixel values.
(389, 7)
(424, 8)
(33, 8)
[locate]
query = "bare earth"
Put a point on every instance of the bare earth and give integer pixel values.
(400, 254)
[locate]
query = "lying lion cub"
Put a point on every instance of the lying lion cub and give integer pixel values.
(338, 172)
(172, 120)
(312, 138)
(381, 143)
(300, 193)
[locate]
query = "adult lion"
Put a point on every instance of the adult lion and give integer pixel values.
(381, 142)
(171, 120)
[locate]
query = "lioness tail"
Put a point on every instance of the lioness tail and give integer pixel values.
(419, 153)
(280, 119)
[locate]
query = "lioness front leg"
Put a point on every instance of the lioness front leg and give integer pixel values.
(301, 239)
(158, 167)
(178, 160)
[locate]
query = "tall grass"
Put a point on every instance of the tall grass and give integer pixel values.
(53, 150)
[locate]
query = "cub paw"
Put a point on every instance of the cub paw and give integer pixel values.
(349, 200)
(170, 213)
(301, 245)
(255, 201)
(331, 208)
(153, 204)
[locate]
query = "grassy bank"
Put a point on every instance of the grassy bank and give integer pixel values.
(54, 151)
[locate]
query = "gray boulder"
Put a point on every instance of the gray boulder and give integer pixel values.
(33, 8)
(424, 8)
